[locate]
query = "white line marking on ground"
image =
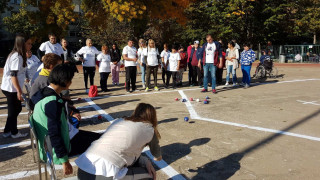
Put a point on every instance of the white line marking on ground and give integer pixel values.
(5, 115)
(173, 174)
(23, 174)
(100, 111)
(28, 142)
(194, 115)
(309, 102)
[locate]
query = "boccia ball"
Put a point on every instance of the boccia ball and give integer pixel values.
(191, 99)
(207, 97)
(184, 100)
(186, 119)
(177, 99)
(198, 100)
(205, 102)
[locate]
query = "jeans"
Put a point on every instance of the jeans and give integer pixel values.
(14, 108)
(143, 72)
(89, 71)
(131, 76)
(155, 74)
(246, 78)
(234, 76)
(212, 68)
(115, 69)
(103, 80)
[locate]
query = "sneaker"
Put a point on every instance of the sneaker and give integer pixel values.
(191, 85)
(19, 135)
(234, 84)
(246, 86)
(6, 134)
(242, 84)
(156, 88)
(200, 86)
(204, 90)
(227, 84)
(87, 90)
(117, 84)
(147, 89)
(136, 90)
(214, 91)
(143, 86)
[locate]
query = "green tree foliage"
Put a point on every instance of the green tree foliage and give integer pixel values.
(40, 18)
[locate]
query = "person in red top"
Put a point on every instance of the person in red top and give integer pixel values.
(183, 65)
(194, 60)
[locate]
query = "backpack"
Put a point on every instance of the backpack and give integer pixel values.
(93, 91)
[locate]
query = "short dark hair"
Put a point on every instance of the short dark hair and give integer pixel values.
(61, 75)
(209, 35)
(51, 34)
(232, 43)
(174, 46)
(246, 44)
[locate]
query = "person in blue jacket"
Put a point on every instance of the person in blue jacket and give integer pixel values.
(247, 58)
(211, 57)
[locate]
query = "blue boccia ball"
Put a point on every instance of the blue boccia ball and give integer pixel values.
(184, 100)
(205, 102)
(207, 97)
(186, 119)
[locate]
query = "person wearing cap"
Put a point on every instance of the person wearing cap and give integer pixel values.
(194, 60)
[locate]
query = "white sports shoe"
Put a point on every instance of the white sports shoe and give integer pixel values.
(19, 135)
(227, 84)
(6, 134)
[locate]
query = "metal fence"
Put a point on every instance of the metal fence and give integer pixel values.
(300, 53)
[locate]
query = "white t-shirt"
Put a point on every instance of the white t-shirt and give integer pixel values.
(32, 65)
(105, 60)
(131, 52)
(141, 56)
(210, 49)
(51, 48)
(173, 61)
(14, 63)
(88, 55)
(152, 56)
(164, 54)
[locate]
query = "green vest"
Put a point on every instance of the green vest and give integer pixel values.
(40, 123)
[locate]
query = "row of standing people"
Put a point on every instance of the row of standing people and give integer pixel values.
(109, 157)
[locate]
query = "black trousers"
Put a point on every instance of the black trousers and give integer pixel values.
(190, 74)
(219, 73)
(81, 141)
(89, 71)
(164, 73)
(131, 76)
(103, 80)
(174, 78)
(197, 74)
(155, 74)
(14, 108)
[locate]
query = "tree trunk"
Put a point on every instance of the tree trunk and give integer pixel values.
(314, 38)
